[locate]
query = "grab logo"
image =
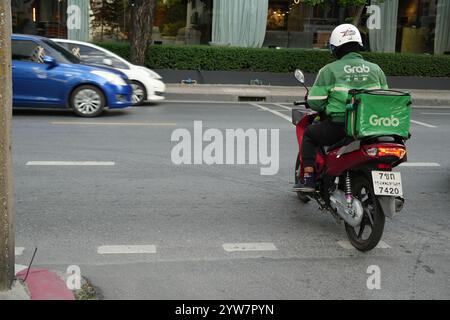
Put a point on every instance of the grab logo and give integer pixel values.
(386, 122)
(356, 69)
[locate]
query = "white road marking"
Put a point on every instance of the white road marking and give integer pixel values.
(281, 106)
(127, 249)
(18, 251)
(279, 110)
(423, 124)
(431, 107)
(169, 101)
(204, 102)
(256, 246)
(348, 246)
(146, 124)
(420, 164)
(70, 163)
(437, 113)
(285, 117)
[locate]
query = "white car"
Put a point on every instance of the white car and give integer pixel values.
(147, 84)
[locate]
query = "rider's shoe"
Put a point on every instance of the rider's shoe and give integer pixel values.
(308, 184)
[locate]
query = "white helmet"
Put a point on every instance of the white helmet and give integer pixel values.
(343, 34)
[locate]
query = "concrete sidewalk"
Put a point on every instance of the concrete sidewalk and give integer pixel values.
(235, 93)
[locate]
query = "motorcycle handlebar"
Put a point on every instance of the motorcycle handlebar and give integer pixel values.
(301, 103)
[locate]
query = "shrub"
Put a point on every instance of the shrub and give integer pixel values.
(213, 58)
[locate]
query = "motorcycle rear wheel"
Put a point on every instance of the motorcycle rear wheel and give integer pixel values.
(373, 217)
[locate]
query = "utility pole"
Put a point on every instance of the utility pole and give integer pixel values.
(6, 191)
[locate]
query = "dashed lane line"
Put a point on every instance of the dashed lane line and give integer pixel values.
(420, 164)
(70, 163)
(136, 124)
(127, 249)
(252, 246)
(437, 113)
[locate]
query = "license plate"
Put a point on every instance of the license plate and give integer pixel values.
(387, 183)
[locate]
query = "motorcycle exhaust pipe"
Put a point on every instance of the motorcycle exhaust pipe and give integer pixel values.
(399, 203)
(351, 215)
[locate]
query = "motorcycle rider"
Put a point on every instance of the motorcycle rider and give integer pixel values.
(329, 95)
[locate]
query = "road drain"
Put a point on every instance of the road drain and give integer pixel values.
(255, 99)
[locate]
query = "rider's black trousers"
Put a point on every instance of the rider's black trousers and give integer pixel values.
(325, 133)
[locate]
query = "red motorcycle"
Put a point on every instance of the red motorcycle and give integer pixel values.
(355, 181)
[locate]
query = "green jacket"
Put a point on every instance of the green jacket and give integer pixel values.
(330, 91)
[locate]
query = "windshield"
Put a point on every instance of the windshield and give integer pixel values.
(61, 54)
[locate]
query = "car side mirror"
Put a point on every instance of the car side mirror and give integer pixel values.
(108, 62)
(50, 61)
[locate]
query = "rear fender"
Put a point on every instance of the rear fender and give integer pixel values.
(387, 204)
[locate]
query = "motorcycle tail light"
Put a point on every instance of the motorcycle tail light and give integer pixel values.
(391, 151)
(372, 152)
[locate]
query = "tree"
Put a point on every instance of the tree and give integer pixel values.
(6, 200)
(141, 27)
(109, 14)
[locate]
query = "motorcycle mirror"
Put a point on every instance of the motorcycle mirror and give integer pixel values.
(300, 76)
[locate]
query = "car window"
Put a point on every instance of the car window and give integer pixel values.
(94, 56)
(26, 50)
(64, 45)
(61, 54)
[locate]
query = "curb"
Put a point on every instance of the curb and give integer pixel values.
(216, 93)
(43, 284)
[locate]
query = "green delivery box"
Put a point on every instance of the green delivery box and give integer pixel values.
(378, 113)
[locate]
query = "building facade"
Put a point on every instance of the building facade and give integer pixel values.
(409, 26)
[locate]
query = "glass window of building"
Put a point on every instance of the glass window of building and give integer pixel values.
(412, 26)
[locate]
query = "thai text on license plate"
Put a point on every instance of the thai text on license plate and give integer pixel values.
(387, 183)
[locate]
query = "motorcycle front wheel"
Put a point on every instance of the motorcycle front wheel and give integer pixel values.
(366, 236)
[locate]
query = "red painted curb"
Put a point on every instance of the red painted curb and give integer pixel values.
(45, 285)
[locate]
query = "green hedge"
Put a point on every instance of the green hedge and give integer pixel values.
(282, 60)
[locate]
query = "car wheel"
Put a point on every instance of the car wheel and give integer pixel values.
(139, 93)
(88, 101)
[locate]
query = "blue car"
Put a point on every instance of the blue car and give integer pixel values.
(45, 75)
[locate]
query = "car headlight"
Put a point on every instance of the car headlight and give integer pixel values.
(110, 77)
(152, 74)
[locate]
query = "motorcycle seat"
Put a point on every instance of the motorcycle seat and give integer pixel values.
(383, 139)
(347, 140)
(339, 144)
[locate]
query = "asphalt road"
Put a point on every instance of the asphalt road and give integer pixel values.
(185, 214)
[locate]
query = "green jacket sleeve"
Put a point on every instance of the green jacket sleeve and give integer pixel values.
(383, 81)
(318, 95)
